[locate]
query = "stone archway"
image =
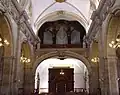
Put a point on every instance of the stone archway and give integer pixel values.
(67, 54)
(113, 30)
(6, 56)
(57, 15)
(110, 58)
(94, 58)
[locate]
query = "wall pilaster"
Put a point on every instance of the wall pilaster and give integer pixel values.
(93, 81)
(112, 69)
(103, 68)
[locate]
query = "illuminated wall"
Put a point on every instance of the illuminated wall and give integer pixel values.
(79, 72)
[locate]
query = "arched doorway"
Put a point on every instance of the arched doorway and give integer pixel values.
(62, 74)
(6, 56)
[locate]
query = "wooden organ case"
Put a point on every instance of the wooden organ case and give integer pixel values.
(61, 80)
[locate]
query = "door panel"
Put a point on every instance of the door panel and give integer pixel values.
(61, 87)
(61, 83)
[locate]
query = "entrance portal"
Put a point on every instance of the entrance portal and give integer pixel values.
(54, 74)
(61, 80)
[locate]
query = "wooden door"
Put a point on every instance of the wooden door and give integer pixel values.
(61, 83)
(61, 87)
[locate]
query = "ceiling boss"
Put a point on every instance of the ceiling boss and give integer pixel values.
(60, 1)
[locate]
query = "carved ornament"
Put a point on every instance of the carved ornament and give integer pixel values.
(60, 1)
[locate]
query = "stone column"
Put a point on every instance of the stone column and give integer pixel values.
(7, 75)
(28, 81)
(103, 66)
(93, 81)
(11, 61)
(17, 60)
(107, 70)
(113, 82)
(103, 76)
(118, 71)
(1, 67)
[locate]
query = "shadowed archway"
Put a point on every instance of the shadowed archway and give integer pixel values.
(6, 55)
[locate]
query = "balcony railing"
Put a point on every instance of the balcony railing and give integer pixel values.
(60, 46)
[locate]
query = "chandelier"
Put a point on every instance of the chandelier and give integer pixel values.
(61, 72)
(24, 59)
(95, 59)
(116, 43)
(3, 42)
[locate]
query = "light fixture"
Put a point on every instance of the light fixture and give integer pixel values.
(116, 43)
(60, 1)
(3, 42)
(24, 59)
(6, 42)
(0, 39)
(61, 58)
(61, 72)
(95, 59)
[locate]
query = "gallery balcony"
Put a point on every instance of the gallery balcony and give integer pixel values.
(61, 46)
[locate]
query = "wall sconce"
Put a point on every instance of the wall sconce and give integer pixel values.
(116, 43)
(95, 59)
(24, 59)
(2, 42)
(61, 72)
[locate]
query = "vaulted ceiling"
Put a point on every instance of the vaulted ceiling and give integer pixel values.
(49, 10)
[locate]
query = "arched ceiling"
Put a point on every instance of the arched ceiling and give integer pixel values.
(81, 8)
(41, 11)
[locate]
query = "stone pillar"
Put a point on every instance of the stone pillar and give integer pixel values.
(103, 76)
(11, 76)
(93, 81)
(112, 69)
(7, 75)
(118, 71)
(33, 81)
(1, 67)
(28, 87)
(103, 66)
(107, 73)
